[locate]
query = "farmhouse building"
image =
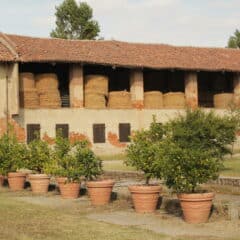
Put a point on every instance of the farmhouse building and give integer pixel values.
(105, 90)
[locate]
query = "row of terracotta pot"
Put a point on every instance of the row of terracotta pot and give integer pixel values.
(99, 191)
(196, 207)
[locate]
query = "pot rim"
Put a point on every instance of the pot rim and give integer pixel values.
(38, 176)
(145, 188)
(194, 197)
(100, 183)
(16, 174)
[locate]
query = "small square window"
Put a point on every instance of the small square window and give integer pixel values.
(33, 132)
(62, 129)
(124, 132)
(99, 133)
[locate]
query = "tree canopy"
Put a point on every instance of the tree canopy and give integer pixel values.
(75, 21)
(234, 40)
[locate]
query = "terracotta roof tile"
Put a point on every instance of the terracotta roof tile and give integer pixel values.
(117, 53)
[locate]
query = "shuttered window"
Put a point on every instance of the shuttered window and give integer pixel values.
(124, 132)
(62, 129)
(99, 133)
(33, 132)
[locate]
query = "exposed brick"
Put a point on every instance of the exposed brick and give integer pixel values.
(74, 137)
(48, 139)
(113, 140)
(138, 104)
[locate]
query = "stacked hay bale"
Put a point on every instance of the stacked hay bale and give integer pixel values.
(223, 100)
(47, 87)
(119, 100)
(153, 100)
(29, 97)
(95, 91)
(174, 100)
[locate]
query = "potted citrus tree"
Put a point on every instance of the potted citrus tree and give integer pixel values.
(142, 154)
(39, 158)
(66, 167)
(13, 157)
(99, 189)
(193, 152)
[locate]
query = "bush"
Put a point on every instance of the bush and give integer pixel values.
(13, 155)
(194, 147)
(74, 161)
(144, 151)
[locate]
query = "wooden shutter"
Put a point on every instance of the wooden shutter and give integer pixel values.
(99, 133)
(63, 129)
(33, 132)
(124, 132)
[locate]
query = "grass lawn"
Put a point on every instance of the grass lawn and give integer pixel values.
(231, 167)
(25, 220)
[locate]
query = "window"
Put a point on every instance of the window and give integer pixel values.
(99, 133)
(62, 129)
(33, 132)
(124, 132)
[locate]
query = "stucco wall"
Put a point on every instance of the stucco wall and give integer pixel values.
(81, 120)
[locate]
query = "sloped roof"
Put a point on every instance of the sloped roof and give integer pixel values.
(134, 55)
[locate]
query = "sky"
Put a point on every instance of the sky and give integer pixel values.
(175, 22)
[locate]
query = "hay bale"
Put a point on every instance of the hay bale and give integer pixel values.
(29, 98)
(119, 100)
(46, 81)
(94, 100)
(96, 83)
(153, 100)
(26, 81)
(223, 100)
(174, 100)
(50, 99)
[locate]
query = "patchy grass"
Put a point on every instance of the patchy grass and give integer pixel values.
(26, 221)
(109, 157)
(231, 167)
(116, 165)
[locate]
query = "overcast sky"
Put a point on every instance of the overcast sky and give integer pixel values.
(177, 22)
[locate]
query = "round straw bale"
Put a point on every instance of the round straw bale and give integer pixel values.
(29, 98)
(26, 80)
(153, 100)
(223, 100)
(46, 81)
(94, 100)
(119, 100)
(96, 83)
(174, 100)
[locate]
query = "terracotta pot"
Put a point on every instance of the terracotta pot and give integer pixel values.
(16, 180)
(196, 206)
(1, 180)
(100, 191)
(145, 198)
(39, 183)
(68, 190)
(60, 181)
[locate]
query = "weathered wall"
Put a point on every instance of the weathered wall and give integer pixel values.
(81, 120)
(3, 95)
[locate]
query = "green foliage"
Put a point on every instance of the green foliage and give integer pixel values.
(194, 147)
(234, 40)
(144, 151)
(75, 21)
(13, 155)
(74, 160)
(39, 155)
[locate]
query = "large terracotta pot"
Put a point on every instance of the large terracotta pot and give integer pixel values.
(100, 191)
(67, 189)
(39, 183)
(145, 197)
(196, 206)
(1, 180)
(16, 180)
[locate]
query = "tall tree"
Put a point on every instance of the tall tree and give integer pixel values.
(75, 21)
(234, 40)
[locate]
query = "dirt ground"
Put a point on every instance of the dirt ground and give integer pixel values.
(167, 220)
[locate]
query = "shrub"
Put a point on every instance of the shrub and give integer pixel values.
(13, 155)
(74, 160)
(194, 148)
(39, 155)
(144, 151)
